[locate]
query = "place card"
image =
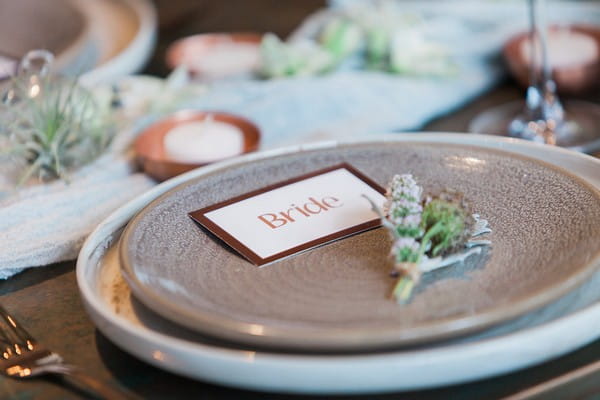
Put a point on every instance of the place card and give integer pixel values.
(296, 215)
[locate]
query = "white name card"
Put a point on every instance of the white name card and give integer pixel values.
(295, 215)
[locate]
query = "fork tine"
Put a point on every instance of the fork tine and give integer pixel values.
(24, 338)
(9, 340)
(6, 345)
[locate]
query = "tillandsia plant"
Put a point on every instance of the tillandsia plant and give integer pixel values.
(428, 233)
(50, 125)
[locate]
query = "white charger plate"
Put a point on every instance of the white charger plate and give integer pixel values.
(561, 327)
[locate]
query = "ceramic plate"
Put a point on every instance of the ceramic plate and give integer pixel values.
(98, 40)
(535, 337)
(57, 26)
(335, 298)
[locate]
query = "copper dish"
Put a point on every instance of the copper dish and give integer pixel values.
(149, 146)
(573, 79)
(181, 51)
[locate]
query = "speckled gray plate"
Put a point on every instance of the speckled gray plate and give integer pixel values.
(546, 226)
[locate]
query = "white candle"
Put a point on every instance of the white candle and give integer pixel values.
(225, 59)
(565, 48)
(205, 141)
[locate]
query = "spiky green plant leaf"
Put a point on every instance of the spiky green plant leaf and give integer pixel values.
(59, 129)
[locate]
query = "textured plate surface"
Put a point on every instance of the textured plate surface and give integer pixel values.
(546, 333)
(545, 228)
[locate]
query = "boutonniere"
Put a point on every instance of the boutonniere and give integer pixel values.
(429, 232)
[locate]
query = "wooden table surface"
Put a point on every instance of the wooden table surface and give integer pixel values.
(47, 300)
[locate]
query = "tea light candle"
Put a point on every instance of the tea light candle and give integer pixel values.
(200, 142)
(224, 59)
(566, 48)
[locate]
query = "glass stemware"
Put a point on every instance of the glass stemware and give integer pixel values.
(34, 67)
(543, 118)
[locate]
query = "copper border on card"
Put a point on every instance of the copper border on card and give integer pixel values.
(199, 216)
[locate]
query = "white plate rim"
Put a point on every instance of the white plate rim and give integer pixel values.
(429, 367)
(136, 54)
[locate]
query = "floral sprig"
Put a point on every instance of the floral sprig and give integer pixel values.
(427, 233)
(403, 209)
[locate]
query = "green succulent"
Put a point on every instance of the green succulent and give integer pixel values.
(444, 223)
(302, 58)
(341, 37)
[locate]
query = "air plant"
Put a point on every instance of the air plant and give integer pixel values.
(427, 233)
(50, 125)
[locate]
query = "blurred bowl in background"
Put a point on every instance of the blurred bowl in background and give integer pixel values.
(212, 56)
(58, 26)
(122, 39)
(574, 53)
(96, 40)
(154, 158)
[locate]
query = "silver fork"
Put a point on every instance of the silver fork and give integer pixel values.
(22, 357)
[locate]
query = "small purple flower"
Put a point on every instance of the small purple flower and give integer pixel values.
(406, 243)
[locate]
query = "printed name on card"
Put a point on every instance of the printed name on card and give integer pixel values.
(296, 215)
